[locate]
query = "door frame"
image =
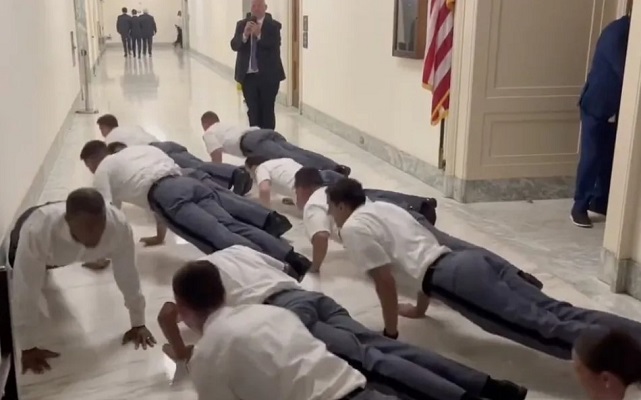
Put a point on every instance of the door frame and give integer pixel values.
(295, 52)
(186, 20)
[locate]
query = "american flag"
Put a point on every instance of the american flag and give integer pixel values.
(438, 60)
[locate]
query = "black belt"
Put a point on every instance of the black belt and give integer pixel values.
(353, 394)
(429, 274)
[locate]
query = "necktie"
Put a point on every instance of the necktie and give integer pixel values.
(253, 61)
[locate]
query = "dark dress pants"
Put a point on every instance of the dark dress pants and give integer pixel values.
(260, 95)
(598, 138)
(147, 45)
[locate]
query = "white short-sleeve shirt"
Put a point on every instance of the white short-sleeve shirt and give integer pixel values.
(250, 277)
(127, 176)
(281, 172)
(131, 136)
(252, 352)
(379, 233)
(226, 137)
(316, 218)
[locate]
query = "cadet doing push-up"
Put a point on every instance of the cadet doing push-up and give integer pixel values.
(148, 178)
(393, 248)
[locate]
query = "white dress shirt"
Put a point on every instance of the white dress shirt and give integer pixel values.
(131, 136)
(250, 277)
(633, 392)
(45, 239)
(379, 233)
(261, 352)
(226, 137)
(179, 21)
(128, 175)
(281, 172)
(316, 218)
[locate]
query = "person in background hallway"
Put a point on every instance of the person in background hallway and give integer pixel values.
(259, 68)
(388, 244)
(179, 30)
(148, 30)
(136, 34)
(240, 141)
(607, 365)
(250, 277)
(257, 351)
(123, 27)
(82, 228)
(599, 106)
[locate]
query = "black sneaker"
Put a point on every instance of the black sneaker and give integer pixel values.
(601, 210)
(343, 170)
(277, 224)
(299, 263)
(581, 219)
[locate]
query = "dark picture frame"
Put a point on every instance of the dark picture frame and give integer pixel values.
(410, 33)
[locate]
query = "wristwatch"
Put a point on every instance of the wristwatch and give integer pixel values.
(395, 336)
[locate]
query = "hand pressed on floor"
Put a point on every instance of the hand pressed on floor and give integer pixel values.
(36, 360)
(139, 336)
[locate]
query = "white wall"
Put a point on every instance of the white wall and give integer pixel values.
(39, 84)
(349, 73)
(164, 11)
(213, 22)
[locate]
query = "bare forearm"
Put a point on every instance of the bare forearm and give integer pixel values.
(161, 229)
(389, 303)
(320, 244)
(265, 198)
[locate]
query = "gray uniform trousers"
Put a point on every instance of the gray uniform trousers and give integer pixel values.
(418, 373)
(371, 393)
(223, 174)
(272, 145)
(194, 212)
(503, 300)
(239, 207)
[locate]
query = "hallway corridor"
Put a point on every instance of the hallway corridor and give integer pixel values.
(167, 95)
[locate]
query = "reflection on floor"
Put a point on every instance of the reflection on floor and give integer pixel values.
(167, 96)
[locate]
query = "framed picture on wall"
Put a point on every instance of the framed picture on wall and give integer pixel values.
(410, 28)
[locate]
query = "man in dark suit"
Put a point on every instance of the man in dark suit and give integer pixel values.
(123, 27)
(136, 33)
(259, 68)
(599, 111)
(148, 29)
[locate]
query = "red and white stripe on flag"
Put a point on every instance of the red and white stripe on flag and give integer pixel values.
(438, 60)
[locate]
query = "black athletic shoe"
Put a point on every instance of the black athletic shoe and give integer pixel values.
(241, 182)
(428, 210)
(277, 224)
(343, 170)
(503, 390)
(598, 209)
(299, 263)
(581, 219)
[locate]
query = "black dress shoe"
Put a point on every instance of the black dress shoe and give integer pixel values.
(598, 209)
(503, 390)
(291, 272)
(241, 181)
(428, 210)
(277, 224)
(343, 170)
(299, 263)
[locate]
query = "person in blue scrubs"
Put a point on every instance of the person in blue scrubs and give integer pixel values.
(599, 106)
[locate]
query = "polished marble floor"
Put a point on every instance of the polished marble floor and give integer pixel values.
(167, 96)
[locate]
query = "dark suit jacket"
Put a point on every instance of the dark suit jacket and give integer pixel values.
(136, 29)
(147, 25)
(270, 65)
(601, 95)
(123, 24)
